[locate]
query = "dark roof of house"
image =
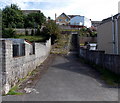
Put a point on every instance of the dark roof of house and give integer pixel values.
(65, 15)
(71, 16)
(96, 23)
(30, 11)
(109, 18)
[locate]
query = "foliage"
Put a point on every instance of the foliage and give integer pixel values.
(88, 32)
(62, 46)
(52, 29)
(13, 91)
(38, 32)
(33, 20)
(26, 32)
(32, 38)
(12, 17)
(8, 33)
(32, 32)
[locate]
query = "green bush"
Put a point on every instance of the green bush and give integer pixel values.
(8, 33)
(26, 32)
(38, 32)
(32, 32)
(53, 30)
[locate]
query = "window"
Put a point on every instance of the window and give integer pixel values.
(18, 50)
(62, 15)
(60, 20)
(66, 20)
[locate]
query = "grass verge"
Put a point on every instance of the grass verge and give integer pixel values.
(32, 38)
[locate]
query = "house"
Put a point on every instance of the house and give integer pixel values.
(95, 23)
(63, 19)
(26, 12)
(73, 20)
(109, 35)
(80, 21)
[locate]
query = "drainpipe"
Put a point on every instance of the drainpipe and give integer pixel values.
(113, 35)
(117, 45)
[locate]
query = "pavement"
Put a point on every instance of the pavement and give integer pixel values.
(67, 79)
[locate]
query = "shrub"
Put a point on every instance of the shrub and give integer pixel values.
(38, 32)
(26, 32)
(32, 32)
(8, 33)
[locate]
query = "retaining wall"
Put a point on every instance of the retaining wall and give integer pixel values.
(108, 61)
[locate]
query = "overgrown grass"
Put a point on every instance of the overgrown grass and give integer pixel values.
(13, 91)
(32, 38)
(108, 76)
(62, 45)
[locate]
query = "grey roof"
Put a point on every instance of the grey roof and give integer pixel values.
(71, 16)
(30, 11)
(109, 18)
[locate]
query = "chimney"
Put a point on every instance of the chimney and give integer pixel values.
(55, 16)
(119, 7)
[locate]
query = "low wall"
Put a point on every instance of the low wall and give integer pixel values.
(15, 68)
(108, 61)
(23, 31)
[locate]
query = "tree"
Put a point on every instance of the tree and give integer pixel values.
(33, 20)
(53, 30)
(12, 17)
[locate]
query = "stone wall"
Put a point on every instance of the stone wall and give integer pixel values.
(23, 31)
(108, 61)
(15, 68)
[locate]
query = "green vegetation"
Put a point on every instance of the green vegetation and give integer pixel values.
(62, 45)
(88, 32)
(34, 20)
(13, 91)
(109, 77)
(32, 38)
(13, 17)
(51, 29)
(8, 33)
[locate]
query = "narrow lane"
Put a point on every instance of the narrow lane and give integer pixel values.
(69, 80)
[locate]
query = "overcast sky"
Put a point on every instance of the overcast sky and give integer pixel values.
(92, 9)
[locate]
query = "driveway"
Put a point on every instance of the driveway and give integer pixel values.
(69, 80)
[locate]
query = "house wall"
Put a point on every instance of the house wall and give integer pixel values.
(119, 35)
(87, 22)
(78, 20)
(63, 18)
(104, 37)
(15, 68)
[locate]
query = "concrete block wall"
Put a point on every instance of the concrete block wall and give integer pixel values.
(108, 61)
(15, 68)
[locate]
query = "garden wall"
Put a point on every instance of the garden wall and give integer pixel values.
(15, 68)
(108, 61)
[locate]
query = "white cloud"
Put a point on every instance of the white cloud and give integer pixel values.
(93, 9)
